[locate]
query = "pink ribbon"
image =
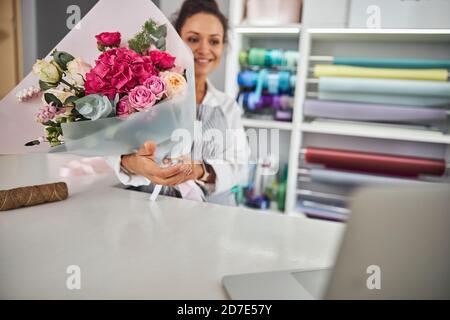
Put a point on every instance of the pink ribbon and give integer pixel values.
(191, 191)
(84, 167)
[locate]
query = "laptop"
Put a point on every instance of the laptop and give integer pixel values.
(396, 246)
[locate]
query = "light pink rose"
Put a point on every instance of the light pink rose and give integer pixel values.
(141, 98)
(175, 83)
(156, 85)
(124, 108)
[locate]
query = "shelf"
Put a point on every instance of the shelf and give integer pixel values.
(268, 124)
(263, 30)
(401, 35)
(374, 130)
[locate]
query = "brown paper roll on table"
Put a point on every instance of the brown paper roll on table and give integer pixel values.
(32, 195)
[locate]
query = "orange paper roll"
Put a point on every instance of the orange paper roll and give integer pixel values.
(32, 195)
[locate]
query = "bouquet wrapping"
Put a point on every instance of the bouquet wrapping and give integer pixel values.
(91, 103)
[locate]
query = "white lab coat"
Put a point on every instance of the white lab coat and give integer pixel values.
(232, 170)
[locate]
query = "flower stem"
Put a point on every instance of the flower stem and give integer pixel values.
(77, 91)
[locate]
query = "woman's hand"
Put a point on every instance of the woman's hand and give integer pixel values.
(143, 163)
(196, 170)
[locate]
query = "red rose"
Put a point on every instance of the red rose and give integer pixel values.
(162, 59)
(108, 39)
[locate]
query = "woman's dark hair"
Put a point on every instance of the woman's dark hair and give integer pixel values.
(192, 7)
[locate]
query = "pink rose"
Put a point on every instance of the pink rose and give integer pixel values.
(124, 108)
(108, 39)
(141, 98)
(162, 59)
(156, 85)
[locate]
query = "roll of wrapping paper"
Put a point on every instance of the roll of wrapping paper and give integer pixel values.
(374, 163)
(328, 70)
(371, 112)
(32, 195)
(351, 179)
(404, 100)
(386, 86)
(392, 62)
(318, 210)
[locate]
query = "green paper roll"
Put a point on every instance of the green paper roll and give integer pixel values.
(392, 62)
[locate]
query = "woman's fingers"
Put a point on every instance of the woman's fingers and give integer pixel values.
(172, 181)
(147, 149)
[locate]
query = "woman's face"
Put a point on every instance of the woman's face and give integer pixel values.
(203, 33)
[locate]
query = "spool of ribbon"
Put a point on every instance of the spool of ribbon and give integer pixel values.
(277, 102)
(243, 57)
(257, 57)
(283, 80)
(291, 59)
(254, 97)
(260, 57)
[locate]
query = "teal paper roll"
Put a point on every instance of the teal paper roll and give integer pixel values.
(384, 99)
(386, 86)
(392, 63)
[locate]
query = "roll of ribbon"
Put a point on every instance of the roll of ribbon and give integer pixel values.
(257, 57)
(291, 59)
(273, 83)
(32, 195)
(374, 163)
(243, 57)
(261, 57)
(249, 79)
(284, 81)
(276, 57)
(272, 101)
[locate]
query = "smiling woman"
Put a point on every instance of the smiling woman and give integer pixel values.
(204, 29)
(220, 163)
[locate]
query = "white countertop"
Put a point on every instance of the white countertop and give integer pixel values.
(129, 248)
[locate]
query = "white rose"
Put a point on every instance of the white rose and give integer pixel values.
(46, 71)
(77, 70)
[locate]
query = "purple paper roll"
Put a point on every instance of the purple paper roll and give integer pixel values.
(370, 112)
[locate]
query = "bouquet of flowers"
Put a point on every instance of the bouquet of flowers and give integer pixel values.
(131, 93)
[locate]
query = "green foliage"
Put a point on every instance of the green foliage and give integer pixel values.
(52, 99)
(62, 58)
(151, 34)
(47, 85)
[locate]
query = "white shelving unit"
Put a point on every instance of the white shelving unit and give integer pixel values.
(383, 43)
(242, 35)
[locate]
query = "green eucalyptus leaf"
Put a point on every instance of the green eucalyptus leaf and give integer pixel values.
(62, 58)
(70, 100)
(51, 98)
(47, 85)
(32, 143)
